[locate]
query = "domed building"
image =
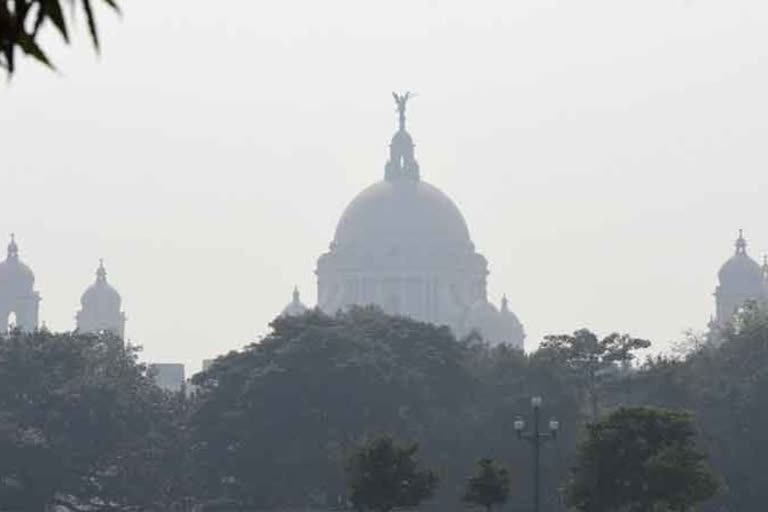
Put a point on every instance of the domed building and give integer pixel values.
(402, 244)
(101, 307)
(295, 307)
(741, 279)
(19, 302)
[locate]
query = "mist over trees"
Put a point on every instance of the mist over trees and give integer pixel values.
(641, 458)
(278, 423)
(82, 426)
(383, 475)
(319, 385)
(489, 485)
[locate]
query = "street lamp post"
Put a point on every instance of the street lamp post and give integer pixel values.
(536, 438)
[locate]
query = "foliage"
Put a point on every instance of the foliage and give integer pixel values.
(591, 362)
(82, 426)
(384, 475)
(639, 459)
(273, 423)
(489, 486)
(22, 20)
(725, 386)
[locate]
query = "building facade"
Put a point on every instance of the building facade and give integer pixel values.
(740, 280)
(403, 244)
(101, 307)
(19, 302)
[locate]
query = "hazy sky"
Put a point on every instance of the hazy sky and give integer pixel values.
(604, 154)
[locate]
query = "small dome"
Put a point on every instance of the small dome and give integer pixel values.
(482, 309)
(403, 212)
(740, 271)
(15, 275)
(483, 317)
(496, 326)
(295, 307)
(101, 295)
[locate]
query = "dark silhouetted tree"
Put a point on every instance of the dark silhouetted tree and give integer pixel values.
(384, 475)
(641, 459)
(489, 485)
(82, 426)
(274, 422)
(725, 386)
(591, 362)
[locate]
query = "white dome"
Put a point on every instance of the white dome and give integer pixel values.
(741, 272)
(101, 295)
(484, 317)
(295, 307)
(15, 275)
(496, 326)
(403, 245)
(401, 212)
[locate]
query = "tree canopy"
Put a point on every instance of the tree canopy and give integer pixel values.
(296, 402)
(274, 422)
(384, 475)
(590, 362)
(641, 459)
(725, 386)
(81, 424)
(489, 485)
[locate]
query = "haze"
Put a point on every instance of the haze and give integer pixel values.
(603, 153)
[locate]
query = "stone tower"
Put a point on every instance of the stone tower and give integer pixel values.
(741, 279)
(101, 307)
(18, 299)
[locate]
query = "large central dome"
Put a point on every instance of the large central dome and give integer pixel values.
(401, 212)
(403, 245)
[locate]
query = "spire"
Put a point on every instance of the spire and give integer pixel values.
(402, 162)
(13, 249)
(741, 243)
(504, 303)
(101, 272)
(296, 296)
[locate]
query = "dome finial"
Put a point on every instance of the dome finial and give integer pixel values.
(504, 303)
(741, 243)
(296, 295)
(101, 272)
(13, 249)
(402, 101)
(402, 162)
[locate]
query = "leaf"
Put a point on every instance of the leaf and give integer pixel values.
(113, 5)
(32, 49)
(88, 8)
(52, 10)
